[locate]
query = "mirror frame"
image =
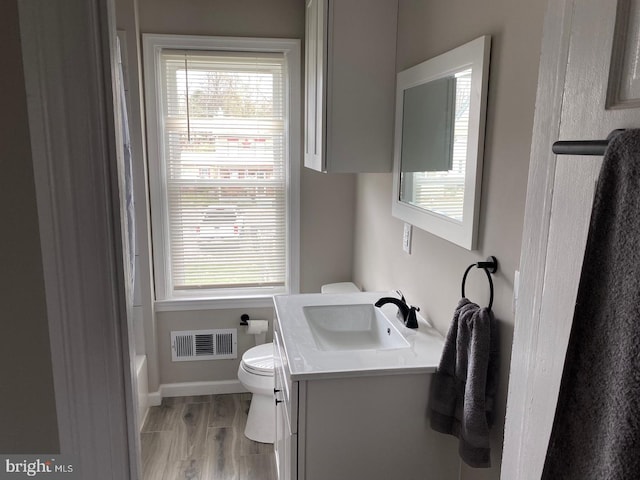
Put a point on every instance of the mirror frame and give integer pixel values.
(474, 54)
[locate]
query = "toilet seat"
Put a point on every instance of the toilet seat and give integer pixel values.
(259, 360)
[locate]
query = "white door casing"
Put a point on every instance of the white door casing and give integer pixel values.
(578, 99)
(68, 55)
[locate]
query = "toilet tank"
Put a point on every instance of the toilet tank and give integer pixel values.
(341, 287)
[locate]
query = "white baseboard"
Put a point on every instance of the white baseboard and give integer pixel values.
(186, 389)
(143, 389)
(154, 399)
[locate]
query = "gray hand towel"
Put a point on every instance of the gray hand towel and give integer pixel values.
(596, 430)
(464, 386)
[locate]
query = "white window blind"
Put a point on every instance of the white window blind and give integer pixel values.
(223, 139)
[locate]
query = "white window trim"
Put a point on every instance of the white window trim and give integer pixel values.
(152, 46)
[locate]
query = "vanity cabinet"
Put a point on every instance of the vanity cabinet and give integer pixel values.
(350, 73)
(357, 426)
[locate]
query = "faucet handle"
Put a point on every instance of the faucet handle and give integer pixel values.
(412, 318)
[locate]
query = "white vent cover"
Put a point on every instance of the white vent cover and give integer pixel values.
(204, 345)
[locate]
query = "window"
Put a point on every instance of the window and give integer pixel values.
(223, 130)
(443, 191)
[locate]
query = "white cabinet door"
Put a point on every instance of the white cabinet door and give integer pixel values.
(285, 444)
(282, 444)
(350, 78)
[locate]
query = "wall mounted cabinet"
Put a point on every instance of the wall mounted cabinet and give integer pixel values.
(350, 75)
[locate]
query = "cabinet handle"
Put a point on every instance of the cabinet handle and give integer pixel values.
(279, 401)
(276, 390)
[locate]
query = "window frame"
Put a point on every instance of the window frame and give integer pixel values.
(165, 296)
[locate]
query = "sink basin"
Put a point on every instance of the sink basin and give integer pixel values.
(352, 327)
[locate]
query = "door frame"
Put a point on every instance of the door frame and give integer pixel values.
(525, 440)
(68, 58)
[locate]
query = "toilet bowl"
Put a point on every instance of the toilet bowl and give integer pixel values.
(256, 375)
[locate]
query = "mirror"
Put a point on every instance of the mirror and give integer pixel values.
(439, 139)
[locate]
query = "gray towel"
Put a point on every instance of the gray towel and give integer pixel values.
(596, 430)
(464, 386)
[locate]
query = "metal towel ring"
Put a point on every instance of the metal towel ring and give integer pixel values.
(489, 266)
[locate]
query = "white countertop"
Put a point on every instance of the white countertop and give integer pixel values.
(307, 361)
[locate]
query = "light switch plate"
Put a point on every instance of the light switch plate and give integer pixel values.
(406, 238)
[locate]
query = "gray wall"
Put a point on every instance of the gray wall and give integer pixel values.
(430, 277)
(202, 371)
(27, 407)
(326, 203)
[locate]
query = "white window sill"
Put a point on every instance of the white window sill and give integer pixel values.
(183, 304)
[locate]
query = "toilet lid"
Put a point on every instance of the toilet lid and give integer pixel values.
(259, 359)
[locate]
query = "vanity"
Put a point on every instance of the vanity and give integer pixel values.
(351, 392)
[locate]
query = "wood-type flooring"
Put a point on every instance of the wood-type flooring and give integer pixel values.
(202, 438)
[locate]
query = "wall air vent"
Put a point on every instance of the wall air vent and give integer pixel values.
(192, 345)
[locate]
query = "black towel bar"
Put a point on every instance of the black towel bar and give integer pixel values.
(584, 147)
(490, 265)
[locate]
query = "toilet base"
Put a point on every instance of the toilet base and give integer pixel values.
(261, 422)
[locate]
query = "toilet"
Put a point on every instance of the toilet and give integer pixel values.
(255, 373)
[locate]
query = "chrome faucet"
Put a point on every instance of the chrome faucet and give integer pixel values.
(408, 313)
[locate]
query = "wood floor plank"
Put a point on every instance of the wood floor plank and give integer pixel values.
(249, 447)
(189, 399)
(222, 454)
(188, 438)
(244, 403)
(190, 432)
(258, 467)
(155, 448)
(163, 418)
(190, 469)
(224, 410)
